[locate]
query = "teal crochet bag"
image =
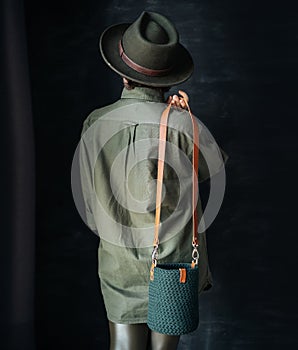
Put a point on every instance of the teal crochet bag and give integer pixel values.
(173, 306)
(173, 288)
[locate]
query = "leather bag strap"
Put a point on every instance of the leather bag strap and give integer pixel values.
(160, 172)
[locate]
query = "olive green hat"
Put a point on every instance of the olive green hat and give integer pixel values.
(147, 51)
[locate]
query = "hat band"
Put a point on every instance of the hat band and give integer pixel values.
(138, 68)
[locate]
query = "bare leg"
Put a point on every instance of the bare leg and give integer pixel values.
(163, 341)
(128, 336)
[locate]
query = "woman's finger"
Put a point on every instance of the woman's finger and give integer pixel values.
(182, 103)
(178, 101)
(184, 95)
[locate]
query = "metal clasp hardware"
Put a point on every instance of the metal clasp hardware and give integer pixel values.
(195, 254)
(154, 261)
(155, 255)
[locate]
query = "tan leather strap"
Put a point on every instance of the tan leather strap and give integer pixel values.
(141, 69)
(160, 171)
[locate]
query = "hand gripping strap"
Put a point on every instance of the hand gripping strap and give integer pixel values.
(160, 171)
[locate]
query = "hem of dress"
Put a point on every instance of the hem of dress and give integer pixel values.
(127, 321)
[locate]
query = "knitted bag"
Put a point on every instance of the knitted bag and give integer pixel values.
(173, 288)
(173, 306)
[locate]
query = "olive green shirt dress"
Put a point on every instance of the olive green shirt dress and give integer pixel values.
(123, 269)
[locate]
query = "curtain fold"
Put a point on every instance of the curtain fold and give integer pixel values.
(17, 200)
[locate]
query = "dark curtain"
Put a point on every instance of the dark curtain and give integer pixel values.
(17, 240)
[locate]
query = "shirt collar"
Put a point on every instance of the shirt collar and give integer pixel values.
(144, 93)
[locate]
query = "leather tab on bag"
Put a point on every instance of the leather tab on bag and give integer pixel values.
(182, 275)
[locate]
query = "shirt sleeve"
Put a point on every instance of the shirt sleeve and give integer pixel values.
(86, 179)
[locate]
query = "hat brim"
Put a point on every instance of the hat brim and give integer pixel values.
(109, 49)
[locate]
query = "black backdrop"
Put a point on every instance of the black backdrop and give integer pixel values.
(243, 89)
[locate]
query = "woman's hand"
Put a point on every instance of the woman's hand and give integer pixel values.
(179, 101)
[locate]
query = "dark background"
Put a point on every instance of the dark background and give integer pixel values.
(244, 89)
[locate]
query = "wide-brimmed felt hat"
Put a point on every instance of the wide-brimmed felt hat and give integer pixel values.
(147, 51)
